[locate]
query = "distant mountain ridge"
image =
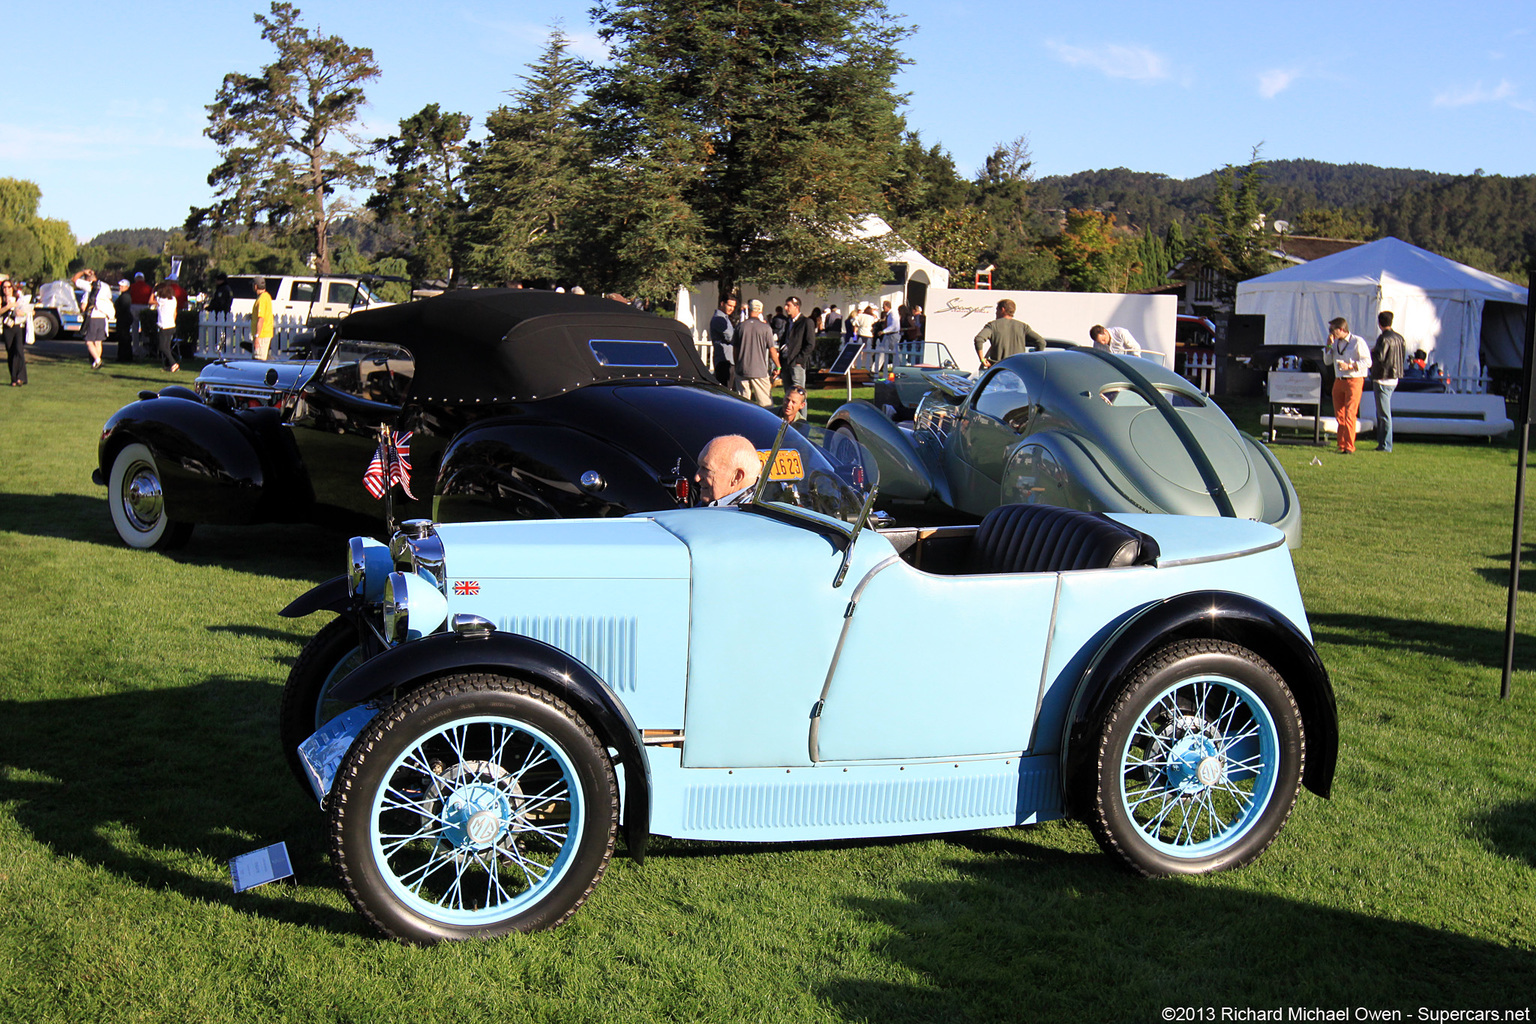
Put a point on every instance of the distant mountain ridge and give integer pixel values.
(1488, 219)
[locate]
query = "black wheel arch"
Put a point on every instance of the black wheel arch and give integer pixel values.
(215, 466)
(414, 664)
(1213, 615)
(331, 596)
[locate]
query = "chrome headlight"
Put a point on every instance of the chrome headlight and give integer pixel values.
(416, 548)
(368, 568)
(413, 607)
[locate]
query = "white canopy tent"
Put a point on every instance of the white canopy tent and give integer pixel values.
(1464, 318)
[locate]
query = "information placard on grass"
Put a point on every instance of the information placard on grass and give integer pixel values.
(259, 867)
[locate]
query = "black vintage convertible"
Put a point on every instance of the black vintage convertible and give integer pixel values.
(519, 405)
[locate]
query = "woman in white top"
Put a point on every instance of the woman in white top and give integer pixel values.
(165, 321)
(15, 312)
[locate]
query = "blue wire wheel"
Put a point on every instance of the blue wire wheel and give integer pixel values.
(477, 820)
(472, 807)
(1201, 767)
(1199, 760)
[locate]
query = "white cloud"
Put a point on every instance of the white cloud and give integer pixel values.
(1272, 83)
(1134, 62)
(100, 143)
(517, 37)
(1478, 93)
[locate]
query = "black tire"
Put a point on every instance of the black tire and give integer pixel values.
(468, 831)
(1199, 761)
(45, 325)
(137, 502)
(326, 660)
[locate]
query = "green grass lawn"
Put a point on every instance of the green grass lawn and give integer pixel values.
(138, 753)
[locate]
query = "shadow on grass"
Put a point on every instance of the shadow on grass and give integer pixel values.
(1466, 644)
(1510, 830)
(139, 782)
(1499, 574)
(1045, 934)
(269, 549)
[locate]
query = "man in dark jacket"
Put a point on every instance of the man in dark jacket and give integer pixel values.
(799, 339)
(722, 337)
(1386, 367)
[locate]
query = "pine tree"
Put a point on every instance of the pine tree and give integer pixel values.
(285, 135)
(420, 203)
(1231, 240)
(744, 140)
(532, 171)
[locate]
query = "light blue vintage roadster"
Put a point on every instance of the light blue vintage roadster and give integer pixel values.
(498, 701)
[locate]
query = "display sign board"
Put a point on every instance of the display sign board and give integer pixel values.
(1289, 387)
(845, 356)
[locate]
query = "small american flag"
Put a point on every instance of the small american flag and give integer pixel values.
(395, 451)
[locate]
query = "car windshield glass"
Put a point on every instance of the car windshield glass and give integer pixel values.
(1004, 397)
(820, 470)
(370, 371)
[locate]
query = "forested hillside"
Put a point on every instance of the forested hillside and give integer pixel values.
(1486, 220)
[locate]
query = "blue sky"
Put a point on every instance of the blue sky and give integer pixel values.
(108, 119)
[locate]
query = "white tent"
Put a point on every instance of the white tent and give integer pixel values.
(1464, 318)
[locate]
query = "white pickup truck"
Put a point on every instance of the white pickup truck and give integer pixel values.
(307, 297)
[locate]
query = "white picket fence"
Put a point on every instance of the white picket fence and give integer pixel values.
(220, 335)
(1200, 368)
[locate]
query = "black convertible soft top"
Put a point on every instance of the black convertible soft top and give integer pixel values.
(516, 345)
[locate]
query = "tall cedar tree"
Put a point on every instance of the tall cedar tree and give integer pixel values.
(744, 140)
(420, 201)
(1232, 241)
(528, 176)
(285, 136)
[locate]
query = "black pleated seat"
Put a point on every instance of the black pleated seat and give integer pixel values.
(1043, 538)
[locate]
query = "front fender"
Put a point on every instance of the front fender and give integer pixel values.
(508, 470)
(903, 476)
(215, 466)
(1213, 615)
(331, 596)
(413, 664)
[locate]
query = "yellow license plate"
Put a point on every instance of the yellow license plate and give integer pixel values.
(786, 467)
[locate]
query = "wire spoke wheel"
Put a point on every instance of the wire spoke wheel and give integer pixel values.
(473, 807)
(474, 821)
(1200, 766)
(1200, 760)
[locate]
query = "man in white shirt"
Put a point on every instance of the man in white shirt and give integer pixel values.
(1116, 340)
(1350, 357)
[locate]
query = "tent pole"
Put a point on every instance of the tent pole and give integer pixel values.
(1526, 371)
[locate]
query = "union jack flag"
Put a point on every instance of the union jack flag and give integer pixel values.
(466, 588)
(395, 451)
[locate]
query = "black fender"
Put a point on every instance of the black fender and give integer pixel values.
(216, 466)
(903, 475)
(506, 469)
(420, 661)
(1213, 615)
(331, 596)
